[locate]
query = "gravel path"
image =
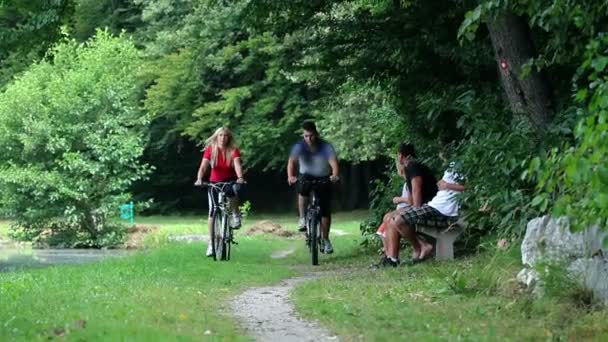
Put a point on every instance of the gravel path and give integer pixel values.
(268, 314)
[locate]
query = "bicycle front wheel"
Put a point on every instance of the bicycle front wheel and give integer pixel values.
(219, 227)
(313, 231)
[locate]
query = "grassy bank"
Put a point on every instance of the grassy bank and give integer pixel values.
(471, 299)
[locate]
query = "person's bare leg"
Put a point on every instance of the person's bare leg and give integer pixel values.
(302, 201)
(210, 222)
(392, 239)
(234, 205)
(325, 226)
(399, 227)
(425, 248)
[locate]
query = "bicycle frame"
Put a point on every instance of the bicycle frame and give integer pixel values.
(313, 220)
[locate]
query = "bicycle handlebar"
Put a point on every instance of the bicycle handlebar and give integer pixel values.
(321, 181)
(216, 185)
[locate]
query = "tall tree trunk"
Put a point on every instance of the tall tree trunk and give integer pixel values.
(510, 35)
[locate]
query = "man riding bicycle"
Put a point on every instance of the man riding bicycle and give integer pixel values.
(316, 160)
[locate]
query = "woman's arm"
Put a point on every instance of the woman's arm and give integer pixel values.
(399, 200)
(238, 168)
(202, 171)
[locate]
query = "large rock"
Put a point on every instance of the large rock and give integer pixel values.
(593, 273)
(549, 239)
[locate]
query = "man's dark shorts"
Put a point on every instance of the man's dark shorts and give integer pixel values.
(324, 192)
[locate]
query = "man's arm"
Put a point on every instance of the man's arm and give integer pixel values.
(335, 169)
(417, 191)
(291, 170)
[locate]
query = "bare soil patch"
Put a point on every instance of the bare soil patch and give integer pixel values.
(269, 227)
(137, 234)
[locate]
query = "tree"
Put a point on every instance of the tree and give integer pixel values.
(527, 94)
(27, 30)
(115, 15)
(71, 140)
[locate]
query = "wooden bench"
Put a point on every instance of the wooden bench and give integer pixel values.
(445, 237)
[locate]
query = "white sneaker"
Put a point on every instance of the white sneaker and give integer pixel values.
(328, 248)
(236, 222)
(302, 224)
(209, 250)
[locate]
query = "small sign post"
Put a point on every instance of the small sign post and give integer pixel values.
(126, 212)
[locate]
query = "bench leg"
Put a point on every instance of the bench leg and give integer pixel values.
(444, 248)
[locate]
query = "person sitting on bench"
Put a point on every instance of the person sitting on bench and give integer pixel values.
(441, 210)
(419, 188)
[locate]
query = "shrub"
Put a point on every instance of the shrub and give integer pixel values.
(72, 135)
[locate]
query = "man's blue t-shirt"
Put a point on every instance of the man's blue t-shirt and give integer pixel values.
(315, 163)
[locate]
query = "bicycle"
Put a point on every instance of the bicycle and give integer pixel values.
(222, 236)
(313, 218)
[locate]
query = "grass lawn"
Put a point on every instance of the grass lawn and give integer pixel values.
(471, 299)
(4, 229)
(172, 292)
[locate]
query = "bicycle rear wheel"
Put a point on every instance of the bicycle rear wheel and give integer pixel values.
(313, 231)
(228, 241)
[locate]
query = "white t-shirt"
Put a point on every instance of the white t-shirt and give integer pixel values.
(445, 200)
(404, 193)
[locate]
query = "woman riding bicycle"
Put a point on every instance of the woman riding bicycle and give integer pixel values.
(223, 157)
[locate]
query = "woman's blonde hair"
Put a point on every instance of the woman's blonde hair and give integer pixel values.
(400, 168)
(212, 142)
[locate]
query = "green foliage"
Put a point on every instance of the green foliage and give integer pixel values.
(72, 139)
(574, 178)
(114, 15)
(369, 111)
(27, 30)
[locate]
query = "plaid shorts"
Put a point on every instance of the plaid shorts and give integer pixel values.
(426, 216)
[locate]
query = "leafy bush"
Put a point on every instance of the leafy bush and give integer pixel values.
(71, 136)
(574, 178)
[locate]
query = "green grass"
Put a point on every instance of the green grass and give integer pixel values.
(191, 224)
(4, 229)
(172, 293)
(168, 293)
(430, 302)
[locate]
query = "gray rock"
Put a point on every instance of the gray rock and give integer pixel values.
(528, 277)
(593, 273)
(549, 239)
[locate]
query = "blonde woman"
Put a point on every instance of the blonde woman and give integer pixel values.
(223, 157)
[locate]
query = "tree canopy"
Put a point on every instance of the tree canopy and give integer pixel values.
(512, 89)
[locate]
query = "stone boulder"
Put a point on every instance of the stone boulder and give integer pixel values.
(549, 239)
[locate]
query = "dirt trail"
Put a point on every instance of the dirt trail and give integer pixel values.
(268, 314)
